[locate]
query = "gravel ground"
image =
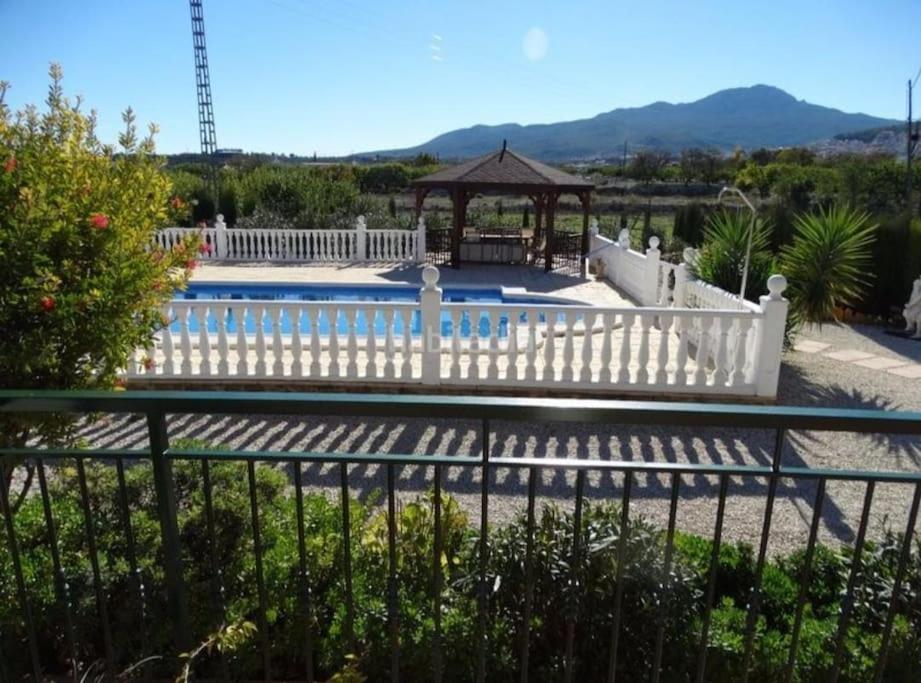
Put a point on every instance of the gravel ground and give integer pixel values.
(806, 379)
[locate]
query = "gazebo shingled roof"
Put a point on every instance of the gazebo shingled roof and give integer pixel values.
(504, 170)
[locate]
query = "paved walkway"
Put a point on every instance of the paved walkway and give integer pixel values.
(530, 278)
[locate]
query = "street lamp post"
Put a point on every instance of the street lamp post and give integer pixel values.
(751, 231)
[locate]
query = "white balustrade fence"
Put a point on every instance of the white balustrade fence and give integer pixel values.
(726, 351)
(302, 246)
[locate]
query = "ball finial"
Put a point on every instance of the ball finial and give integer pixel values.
(776, 285)
(653, 242)
(430, 276)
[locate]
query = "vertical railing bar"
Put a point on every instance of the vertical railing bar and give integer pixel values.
(619, 573)
(304, 572)
(169, 529)
(393, 595)
(216, 579)
(24, 601)
(60, 580)
(569, 663)
(437, 575)
(101, 606)
(666, 571)
(896, 593)
(711, 582)
(137, 579)
(347, 557)
(755, 603)
(848, 603)
(260, 578)
(528, 576)
(804, 579)
(484, 555)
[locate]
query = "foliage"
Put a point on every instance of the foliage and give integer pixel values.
(721, 259)
(826, 264)
(80, 286)
(690, 220)
(648, 165)
(566, 594)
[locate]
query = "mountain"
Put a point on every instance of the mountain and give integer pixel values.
(757, 116)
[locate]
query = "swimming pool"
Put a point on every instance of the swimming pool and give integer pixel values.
(238, 293)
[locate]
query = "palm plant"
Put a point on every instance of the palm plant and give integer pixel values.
(722, 257)
(827, 262)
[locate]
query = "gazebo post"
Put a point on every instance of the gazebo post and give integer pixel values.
(552, 198)
(586, 199)
(538, 218)
(421, 193)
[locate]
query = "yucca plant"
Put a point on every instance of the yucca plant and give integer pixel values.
(722, 257)
(827, 263)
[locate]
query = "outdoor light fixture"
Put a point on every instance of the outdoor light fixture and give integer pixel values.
(751, 231)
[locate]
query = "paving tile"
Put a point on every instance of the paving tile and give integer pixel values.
(848, 355)
(912, 371)
(810, 346)
(881, 363)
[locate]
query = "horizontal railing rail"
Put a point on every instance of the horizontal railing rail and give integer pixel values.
(335, 245)
(156, 405)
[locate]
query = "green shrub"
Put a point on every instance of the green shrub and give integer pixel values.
(722, 258)
(826, 264)
(566, 595)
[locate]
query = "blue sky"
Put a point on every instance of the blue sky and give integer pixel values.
(341, 76)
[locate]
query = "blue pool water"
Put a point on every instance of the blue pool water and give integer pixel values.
(343, 293)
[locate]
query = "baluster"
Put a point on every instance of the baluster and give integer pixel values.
(185, 339)
(406, 315)
(568, 350)
(332, 313)
(316, 349)
(607, 331)
(721, 373)
(297, 349)
(167, 342)
(530, 370)
(642, 374)
(242, 345)
(351, 346)
(389, 352)
(549, 347)
(278, 347)
(259, 318)
(511, 371)
(703, 350)
(223, 367)
(371, 365)
(681, 360)
(456, 320)
(588, 323)
(492, 370)
(743, 325)
(623, 371)
(473, 350)
(665, 325)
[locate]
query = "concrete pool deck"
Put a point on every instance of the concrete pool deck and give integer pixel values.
(529, 278)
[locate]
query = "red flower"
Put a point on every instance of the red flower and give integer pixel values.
(148, 363)
(204, 248)
(191, 264)
(10, 165)
(99, 221)
(47, 303)
(120, 382)
(176, 202)
(157, 286)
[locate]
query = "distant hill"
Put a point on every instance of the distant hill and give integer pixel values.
(757, 116)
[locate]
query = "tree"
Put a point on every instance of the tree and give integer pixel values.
(647, 165)
(81, 287)
(690, 164)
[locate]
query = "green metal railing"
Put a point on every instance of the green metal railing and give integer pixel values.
(156, 405)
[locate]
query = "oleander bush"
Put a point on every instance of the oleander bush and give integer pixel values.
(580, 595)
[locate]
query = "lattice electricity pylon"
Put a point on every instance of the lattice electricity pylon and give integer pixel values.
(202, 81)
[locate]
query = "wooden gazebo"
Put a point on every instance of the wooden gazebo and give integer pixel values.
(505, 172)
